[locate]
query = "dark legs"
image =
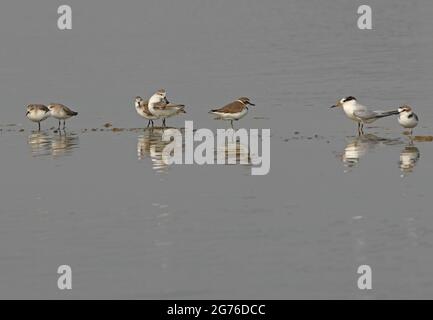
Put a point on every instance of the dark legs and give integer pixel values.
(39, 125)
(64, 124)
(360, 128)
(149, 122)
(163, 122)
(231, 123)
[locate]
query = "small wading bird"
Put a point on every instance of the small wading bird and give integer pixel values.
(160, 107)
(233, 111)
(37, 113)
(142, 109)
(407, 118)
(360, 113)
(61, 112)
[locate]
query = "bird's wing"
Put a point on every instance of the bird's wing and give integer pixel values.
(232, 107)
(160, 105)
(173, 105)
(144, 105)
(68, 111)
(369, 115)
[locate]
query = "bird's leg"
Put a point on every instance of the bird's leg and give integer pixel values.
(39, 125)
(148, 123)
(64, 124)
(152, 123)
(411, 140)
(60, 123)
(163, 122)
(231, 123)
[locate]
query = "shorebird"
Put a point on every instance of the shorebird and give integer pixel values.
(142, 109)
(37, 113)
(360, 113)
(407, 118)
(61, 112)
(233, 111)
(160, 107)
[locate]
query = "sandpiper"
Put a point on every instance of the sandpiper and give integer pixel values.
(37, 113)
(142, 108)
(407, 118)
(61, 112)
(160, 107)
(360, 113)
(233, 111)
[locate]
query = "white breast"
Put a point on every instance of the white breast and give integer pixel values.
(144, 114)
(232, 116)
(38, 115)
(350, 108)
(407, 122)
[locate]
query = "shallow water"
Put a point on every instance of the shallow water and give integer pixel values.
(101, 199)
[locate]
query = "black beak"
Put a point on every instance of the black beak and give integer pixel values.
(251, 104)
(166, 101)
(334, 106)
(395, 112)
(27, 113)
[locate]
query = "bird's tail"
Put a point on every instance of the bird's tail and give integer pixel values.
(181, 108)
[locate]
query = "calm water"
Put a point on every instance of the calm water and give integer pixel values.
(105, 203)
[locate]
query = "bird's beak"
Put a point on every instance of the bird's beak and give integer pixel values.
(395, 112)
(251, 104)
(166, 100)
(338, 104)
(27, 113)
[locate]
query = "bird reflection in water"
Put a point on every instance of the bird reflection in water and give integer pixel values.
(58, 145)
(359, 146)
(409, 158)
(233, 151)
(63, 144)
(150, 145)
(40, 144)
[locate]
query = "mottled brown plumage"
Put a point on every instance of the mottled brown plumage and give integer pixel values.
(61, 112)
(144, 106)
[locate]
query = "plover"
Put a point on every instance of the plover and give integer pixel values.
(61, 112)
(360, 113)
(37, 113)
(233, 111)
(142, 109)
(160, 107)
(407, 118)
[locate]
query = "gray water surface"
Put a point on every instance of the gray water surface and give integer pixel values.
(103, 202)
